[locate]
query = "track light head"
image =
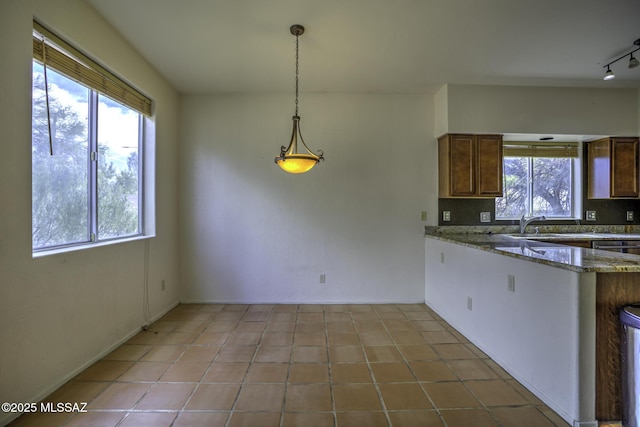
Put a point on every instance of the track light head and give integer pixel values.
(609, 74)
(633, 62)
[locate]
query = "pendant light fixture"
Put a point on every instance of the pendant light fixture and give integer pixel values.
(290, 160)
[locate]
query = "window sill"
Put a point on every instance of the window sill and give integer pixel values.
(85, 246)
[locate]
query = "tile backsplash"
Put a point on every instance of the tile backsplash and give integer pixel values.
(608, 212)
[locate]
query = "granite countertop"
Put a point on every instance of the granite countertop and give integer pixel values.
(507, 242)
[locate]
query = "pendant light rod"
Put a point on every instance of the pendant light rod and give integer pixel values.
(297, 30)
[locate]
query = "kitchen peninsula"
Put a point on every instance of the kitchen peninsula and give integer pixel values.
(546, 312)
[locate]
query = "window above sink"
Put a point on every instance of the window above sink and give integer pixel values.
(541, 176)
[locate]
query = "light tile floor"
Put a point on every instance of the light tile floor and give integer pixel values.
(297, 365)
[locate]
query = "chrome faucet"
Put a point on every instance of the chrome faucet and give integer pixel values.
(524, 222)
(525, 245)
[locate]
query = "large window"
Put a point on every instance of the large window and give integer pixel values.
(539, 180)
(87, 152)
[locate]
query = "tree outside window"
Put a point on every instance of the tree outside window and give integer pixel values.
(536, 186)
(78, 196)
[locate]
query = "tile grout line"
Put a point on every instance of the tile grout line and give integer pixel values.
(243, 383)
(395, 344)
(290, 364)
(373, 377)
(196, 387)
(463, 382)
(129, 411)
(334, 411)
(235, 400)
(199, 382)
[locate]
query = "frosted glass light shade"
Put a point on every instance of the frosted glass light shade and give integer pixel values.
(297, 163)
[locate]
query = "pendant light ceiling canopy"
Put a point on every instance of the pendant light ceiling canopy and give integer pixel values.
(290, 159)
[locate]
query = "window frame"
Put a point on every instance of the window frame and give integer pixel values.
(576, 187)
(139, 103)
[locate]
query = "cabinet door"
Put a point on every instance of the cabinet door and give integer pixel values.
(462, 165)
(489, 172)
(624, 167)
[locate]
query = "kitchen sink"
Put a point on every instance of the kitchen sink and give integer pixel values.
(556, 236)
(539, 236)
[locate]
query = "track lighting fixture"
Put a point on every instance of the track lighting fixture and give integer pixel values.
(633, 62)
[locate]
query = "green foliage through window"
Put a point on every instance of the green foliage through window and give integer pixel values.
(536, 186)
(78, 197)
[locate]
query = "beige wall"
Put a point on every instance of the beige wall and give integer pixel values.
(550, 110)
(58, 313)
(253, 233)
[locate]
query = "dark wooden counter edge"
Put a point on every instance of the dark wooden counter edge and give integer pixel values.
(614, 290)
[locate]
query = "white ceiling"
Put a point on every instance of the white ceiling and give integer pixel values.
(379, 46)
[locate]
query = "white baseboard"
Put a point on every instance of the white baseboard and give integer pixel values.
(306, 302)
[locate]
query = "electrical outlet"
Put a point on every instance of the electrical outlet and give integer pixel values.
(323, 278)
(469, 304)
(163, 285)
(485, 216)
(446, 216)
(423, 215)
(629, 215)
(591, 215)
(442, 257)
(511, 283)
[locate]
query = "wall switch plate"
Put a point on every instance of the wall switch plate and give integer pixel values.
(469, 304)
(446, 216)
(511, 283)
(591, 215)
(485, 216)
(323, 278)
(423, 215)
(629, 215)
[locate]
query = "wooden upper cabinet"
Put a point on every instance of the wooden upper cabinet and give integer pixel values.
(461, 161)
(470, 165)
(489, 177)
(613, 168)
